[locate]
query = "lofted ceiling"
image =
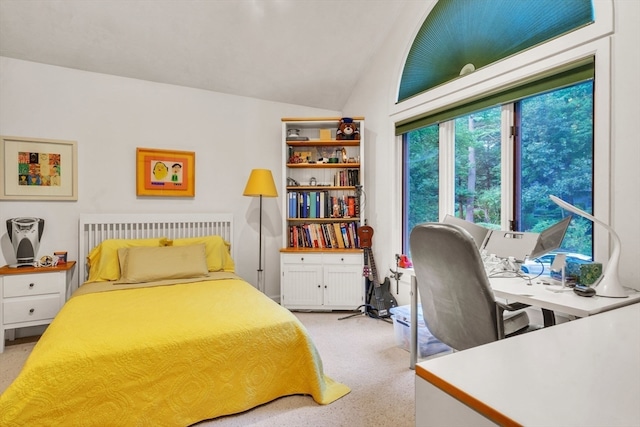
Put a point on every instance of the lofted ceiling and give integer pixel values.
(305, 52)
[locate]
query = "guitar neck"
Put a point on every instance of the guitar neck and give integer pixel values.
(372, 264)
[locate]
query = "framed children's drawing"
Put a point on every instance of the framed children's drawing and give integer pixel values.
(38, 169)
(165, 173)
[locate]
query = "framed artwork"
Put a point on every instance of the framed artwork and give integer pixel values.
(165, 173)
(38, 169)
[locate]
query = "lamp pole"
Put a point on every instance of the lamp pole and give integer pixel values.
(260, 275)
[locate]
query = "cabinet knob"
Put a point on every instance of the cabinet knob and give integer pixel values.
(31, 285)
(342, 259)
(32, 311)
(301, 258)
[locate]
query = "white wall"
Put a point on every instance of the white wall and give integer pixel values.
(375, 95)
(110, 116)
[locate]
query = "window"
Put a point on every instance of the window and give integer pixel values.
(550, 141)
(477, 167)
(421, 181)
(554, 152)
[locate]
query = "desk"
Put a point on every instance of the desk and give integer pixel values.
(583, 372)
(517, 289)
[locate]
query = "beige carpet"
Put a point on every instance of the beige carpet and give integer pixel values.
(360, 352)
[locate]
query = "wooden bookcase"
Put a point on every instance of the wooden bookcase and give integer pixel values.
(323, 177)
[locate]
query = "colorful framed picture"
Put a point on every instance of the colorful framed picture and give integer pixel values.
(38, 169)
(165, 173)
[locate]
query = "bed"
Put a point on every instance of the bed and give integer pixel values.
(162, 332)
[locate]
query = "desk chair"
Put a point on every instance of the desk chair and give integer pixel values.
(458, 304)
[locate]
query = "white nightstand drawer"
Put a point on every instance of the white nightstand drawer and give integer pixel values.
(31, 309)
(32, 284)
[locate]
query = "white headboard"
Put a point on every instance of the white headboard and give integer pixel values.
(94, 228)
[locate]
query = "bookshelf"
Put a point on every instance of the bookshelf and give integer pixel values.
(323, 176)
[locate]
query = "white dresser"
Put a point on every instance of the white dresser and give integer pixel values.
(32, 296)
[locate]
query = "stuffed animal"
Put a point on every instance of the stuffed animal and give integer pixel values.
(347, 129)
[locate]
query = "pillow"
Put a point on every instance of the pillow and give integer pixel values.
(103, 259)
(217, 251)
(150, 264)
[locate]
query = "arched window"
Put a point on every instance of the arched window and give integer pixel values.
(460, 36)
(494, 156)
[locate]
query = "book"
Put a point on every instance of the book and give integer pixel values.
(338, 233)
(312, 204)
(351, 206)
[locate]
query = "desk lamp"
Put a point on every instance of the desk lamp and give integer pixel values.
(609, 283)
(260, 184)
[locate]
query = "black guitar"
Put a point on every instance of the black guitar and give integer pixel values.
(384, 299)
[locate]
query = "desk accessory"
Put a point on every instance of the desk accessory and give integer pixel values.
(609, 284)
(584, 291)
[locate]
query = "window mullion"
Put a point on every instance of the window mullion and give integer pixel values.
(447, 163)
(507, 177)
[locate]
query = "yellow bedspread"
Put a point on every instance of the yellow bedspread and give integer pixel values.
(166, 355)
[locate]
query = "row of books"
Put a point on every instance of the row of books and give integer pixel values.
(347, 177)
(337, 235)
(320, 204)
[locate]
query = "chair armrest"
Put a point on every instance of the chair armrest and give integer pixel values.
(515, 306)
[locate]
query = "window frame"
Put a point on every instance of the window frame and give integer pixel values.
(505, 73)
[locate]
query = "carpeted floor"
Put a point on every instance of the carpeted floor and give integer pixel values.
(360, 352)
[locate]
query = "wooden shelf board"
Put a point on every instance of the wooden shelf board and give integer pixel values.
(324, 165)
(327, 142)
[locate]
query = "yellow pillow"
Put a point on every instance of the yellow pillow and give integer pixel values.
(150, 264)
(217, 251)
(103, 259)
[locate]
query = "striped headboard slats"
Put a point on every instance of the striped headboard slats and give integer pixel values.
(94, 228)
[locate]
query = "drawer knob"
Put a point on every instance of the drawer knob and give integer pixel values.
(301, 258)
(31, 285)
(32, 311)
(341, 259)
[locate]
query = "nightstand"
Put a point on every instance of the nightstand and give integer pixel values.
(31, 296)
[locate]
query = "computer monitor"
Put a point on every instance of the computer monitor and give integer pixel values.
(551, 238)
(521, 245)
(478, 232)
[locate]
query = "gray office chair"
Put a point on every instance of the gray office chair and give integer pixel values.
(458, 304)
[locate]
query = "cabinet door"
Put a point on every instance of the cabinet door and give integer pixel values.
(301, 282)
(343, 281)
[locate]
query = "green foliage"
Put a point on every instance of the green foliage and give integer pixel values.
(555, 156)
(422, 176)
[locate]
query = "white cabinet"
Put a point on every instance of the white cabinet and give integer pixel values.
(31, 296)
(321, 281)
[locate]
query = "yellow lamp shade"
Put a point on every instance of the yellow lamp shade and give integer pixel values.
(260, 183)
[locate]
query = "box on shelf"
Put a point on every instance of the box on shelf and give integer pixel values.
(428, 345)
(325, 134)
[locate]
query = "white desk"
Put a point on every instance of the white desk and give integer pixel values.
(539, 295)
(584, 372)
(517, 289)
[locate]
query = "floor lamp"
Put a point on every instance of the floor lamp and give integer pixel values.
(260, 184)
